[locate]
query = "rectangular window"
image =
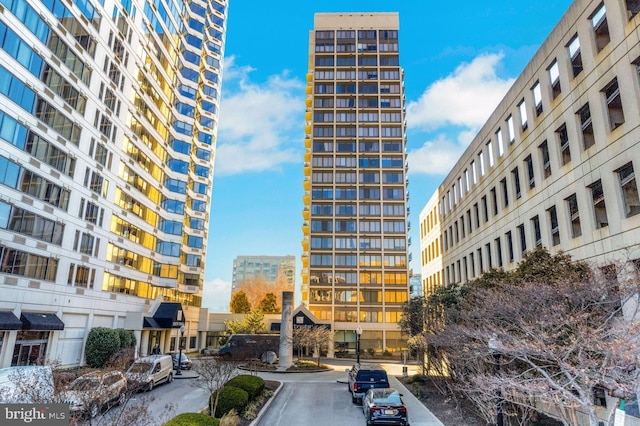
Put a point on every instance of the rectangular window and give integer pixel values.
(522, 108)
(528, 162)
(473, 170)
(588, 140)
(469, 226)
(476, 211)
(537, 97)
(511, 133)
(614, 104)
(575, 56)
(554, 79)
(599, 206)
(509, 246)
(574, 215)
(481, 162)
(600, 27)
(537, 234)
(485, 209)
(515, 174)
(494, 200)
(498, 246)
(546, 161)
(490, 153)
(630, 200)
(563, 140)
(500, 142)
(633, 7)
(487, 249)
(553, 222)
(505, 194)
(523, 239)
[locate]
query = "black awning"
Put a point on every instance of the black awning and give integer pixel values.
(149, 322)
(8, 321)
(40, 321)
(169, 315)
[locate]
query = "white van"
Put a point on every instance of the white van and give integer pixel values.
(146, 372)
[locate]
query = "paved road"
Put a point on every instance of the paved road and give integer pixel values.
(319, 399)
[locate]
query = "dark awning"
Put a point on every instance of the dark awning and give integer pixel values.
(40, 321)
(169, 315)
(149, 322)
(8, 321)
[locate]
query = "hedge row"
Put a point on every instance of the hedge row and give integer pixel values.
(237, 393)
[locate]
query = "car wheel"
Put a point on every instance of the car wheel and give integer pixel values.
(122, 398)
(170, 378)
(150, 386)
(94, 410)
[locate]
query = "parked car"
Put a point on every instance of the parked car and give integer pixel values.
(384, 406)
(92, 392)
(362, 377)
(147, 372)
(26, 384)
(185, 362)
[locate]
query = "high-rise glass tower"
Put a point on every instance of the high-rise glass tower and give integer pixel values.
(108, 120)
(355, 261)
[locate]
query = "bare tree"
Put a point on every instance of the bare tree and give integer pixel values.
(315, 337)
(559, 340)
(213, 373)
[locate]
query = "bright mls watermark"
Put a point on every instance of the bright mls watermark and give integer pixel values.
(34, 414)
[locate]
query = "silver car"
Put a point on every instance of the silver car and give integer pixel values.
(89, 394)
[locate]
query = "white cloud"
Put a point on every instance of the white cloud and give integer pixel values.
(465, 98)
(216, 295)
(435, 157)
(261, 124)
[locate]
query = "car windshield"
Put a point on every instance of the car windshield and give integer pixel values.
(183, 357)
(85, 383)
(387, 398)
(140, 367)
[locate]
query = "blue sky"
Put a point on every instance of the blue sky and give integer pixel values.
(459, 60)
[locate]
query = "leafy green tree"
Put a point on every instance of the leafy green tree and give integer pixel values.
(252, 323)
(269, 304)
(102, 344)
(239, 303)
(414, 316)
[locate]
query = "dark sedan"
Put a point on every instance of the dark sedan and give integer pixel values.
(384, 407)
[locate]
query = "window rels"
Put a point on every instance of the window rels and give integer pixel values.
(554, 79)
(511, 133)
(528, 162)
(537, 233)
(600, 27)
(553, 222)
(563, 139)
(537, 97)
(546, 162)
(614, 104)
(633, 7)
(574, 215)
(505, 194)
(599, 206)
(574, 55)
(588, 140)
(500, 143)
(509, 239)
(523, 239)
(629, 189)
(522, 108)
(515, 174)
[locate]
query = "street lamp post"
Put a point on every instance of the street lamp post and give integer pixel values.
(179, 369)
(494, 347)
(358, 334)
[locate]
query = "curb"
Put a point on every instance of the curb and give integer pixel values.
(266, 406)
(319, 370)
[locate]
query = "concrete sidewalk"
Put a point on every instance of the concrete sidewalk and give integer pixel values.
(419, 415)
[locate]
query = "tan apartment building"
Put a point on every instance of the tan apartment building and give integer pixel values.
(555, 163)
(355, 247)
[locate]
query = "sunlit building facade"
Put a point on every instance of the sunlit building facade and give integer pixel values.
(108, 120)
(355, 246)
(553, 166)
(268, 268)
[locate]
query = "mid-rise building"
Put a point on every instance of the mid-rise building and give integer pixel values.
(268, 268)
(108, 120)
(355, 246)
(554, 165)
